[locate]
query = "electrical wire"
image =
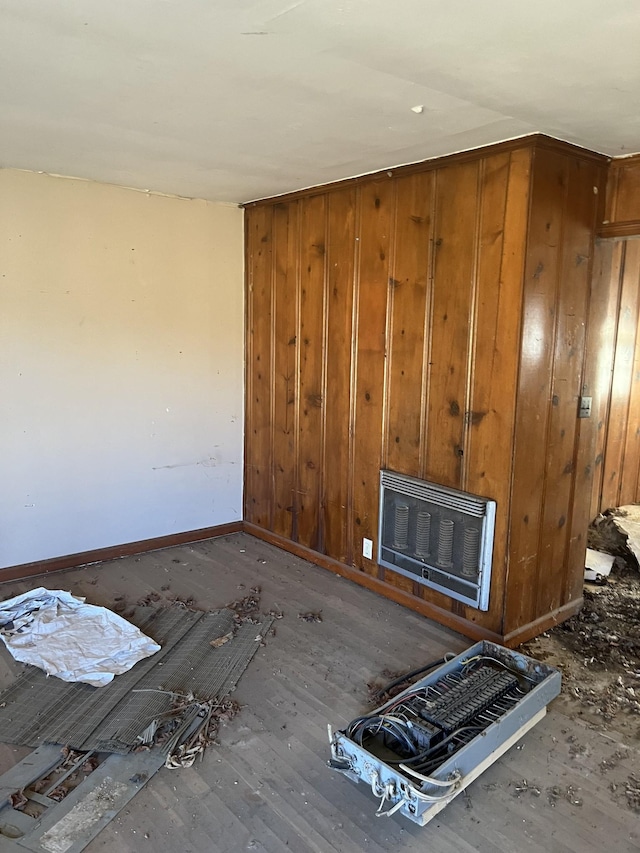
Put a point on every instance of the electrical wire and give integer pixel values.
(378, 723)
(439, 783)
(437, 748)
(410, 675)
(516, 672)
(395, 729)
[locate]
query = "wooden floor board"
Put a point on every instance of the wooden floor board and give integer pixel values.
(266, 786)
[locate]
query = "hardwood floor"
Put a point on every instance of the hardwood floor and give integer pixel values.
(266, 787)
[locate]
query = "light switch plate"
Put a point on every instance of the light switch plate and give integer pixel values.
(367, 549)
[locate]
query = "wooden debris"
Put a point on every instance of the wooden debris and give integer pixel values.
(310, 616)
(220, 641)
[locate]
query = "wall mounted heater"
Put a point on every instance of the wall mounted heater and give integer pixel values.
(437, 536)
(424, 746)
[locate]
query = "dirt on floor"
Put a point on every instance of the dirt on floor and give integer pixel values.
(598, 650)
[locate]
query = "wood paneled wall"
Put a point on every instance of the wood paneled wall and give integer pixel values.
(622, 207)
(430, 321)
(552, 468)
(616, 348)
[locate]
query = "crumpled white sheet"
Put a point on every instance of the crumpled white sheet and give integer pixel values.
(74, 641)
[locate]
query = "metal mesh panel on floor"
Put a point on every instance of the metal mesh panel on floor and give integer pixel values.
(36, 709)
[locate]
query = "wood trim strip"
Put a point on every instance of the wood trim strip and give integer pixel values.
(626, 160)
(115, 552)
(424, 608)
(619, 229)
(534, 140)
(544, 623)
(551, 143)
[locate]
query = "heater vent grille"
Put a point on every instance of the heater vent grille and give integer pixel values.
(438, 536)
(434, 494)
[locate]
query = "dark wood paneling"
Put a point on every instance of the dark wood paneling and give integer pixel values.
(490, 416)
(568, 357)
(552, 479)
(617, 461)
(258, 439)
(377, 202)
(565, 520)
(425, 347)
(629, 480)
(338, 446)
(408, 329)
(534, 395)
(311, 380)
(285, 349)
(455, 233)
(622, 207)
(596, 354)
(603, 322)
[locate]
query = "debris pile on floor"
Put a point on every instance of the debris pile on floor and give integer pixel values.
(74, 768)
(598, 650)
(190, 727)
(311, 616)
(166, 709)
(247, 609)
(179, 693)
(632, 791)
(378, 688)
(617, 532)
(627, 520)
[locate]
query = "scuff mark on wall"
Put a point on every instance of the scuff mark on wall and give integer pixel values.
(209, 462)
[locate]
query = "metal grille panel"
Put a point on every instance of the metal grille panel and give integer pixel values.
(437, 536)
(36, 709)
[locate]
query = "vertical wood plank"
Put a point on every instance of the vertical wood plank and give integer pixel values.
(631, 451)
(311, 382)
(622, 376)
(337, 440)
(630, 467)
(377, 207)
(491, 416)
(560, 500)
(455, 239)
(285, 253)
(258, 506)
(602, 325)
(596, 382)
(408, 295)
(535, 383)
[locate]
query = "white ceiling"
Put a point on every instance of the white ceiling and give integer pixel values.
(236, 99)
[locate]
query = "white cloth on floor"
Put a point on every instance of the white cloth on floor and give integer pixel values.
(74, 641)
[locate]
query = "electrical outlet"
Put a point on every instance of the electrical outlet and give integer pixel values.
(367, 549)
(584, 411)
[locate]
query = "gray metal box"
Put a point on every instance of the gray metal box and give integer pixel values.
(420, 800)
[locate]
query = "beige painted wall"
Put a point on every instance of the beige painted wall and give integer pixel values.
(121, 365)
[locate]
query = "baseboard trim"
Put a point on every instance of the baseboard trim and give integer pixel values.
(544, 623)
(424, 608)
(114, 552)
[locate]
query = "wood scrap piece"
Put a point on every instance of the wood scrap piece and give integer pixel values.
(220, 641)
